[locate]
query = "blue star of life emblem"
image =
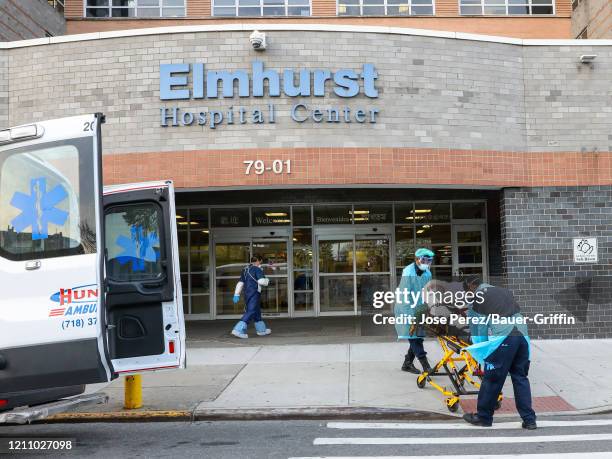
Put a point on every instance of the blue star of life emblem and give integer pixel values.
(38, 209)
(138, 248)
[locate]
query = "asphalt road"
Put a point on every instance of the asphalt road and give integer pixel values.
(291, 439)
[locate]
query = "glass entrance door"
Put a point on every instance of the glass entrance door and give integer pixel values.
(469, 251)
(274, 297)
(336, 274)
(231, 257)
(350, 269)
(372, 268)
(230, 260)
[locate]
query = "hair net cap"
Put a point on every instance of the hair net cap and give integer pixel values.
(423, 253)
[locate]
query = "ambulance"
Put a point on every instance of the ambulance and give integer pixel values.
(89, 276)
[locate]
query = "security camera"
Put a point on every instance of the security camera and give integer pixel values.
(258, 40)
(588, 58)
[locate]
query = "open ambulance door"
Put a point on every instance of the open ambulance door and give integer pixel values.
(52, 319)
(146, 329)
(72, 311)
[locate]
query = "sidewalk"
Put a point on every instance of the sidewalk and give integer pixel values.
(257, 374)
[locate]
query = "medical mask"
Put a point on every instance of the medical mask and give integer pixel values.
(424, 267)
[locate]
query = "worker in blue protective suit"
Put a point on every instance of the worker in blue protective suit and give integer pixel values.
(411, 295)
(501, 346)
(251, 282)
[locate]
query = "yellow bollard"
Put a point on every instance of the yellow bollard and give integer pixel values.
(133, 392)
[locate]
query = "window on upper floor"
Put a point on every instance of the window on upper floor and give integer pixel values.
(385, 7)
(261, 8)
(506, 7)
(134, 8)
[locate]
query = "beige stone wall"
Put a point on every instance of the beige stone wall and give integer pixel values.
(433, 92)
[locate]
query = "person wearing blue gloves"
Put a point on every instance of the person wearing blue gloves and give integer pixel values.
(251, 281)
(414, 278)
(501, 346)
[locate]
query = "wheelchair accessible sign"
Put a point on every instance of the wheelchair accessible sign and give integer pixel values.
(585, 250)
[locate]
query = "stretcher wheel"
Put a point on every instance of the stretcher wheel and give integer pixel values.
(421, 381)
(498, 404)
(452, 404)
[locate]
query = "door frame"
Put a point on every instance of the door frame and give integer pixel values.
(249, 235)
(470, 226)
(382, 231)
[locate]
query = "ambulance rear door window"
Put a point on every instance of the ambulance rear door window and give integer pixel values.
(133, 237)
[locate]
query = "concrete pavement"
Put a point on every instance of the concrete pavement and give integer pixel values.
(566, 376)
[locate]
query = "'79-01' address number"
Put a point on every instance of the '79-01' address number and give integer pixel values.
(259, 167)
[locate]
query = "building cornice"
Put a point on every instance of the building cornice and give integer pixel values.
(300, 28)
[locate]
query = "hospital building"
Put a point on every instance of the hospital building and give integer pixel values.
(334, 137)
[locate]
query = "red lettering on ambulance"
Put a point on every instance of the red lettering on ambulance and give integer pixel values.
(65, 296)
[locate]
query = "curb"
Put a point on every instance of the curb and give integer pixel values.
(120, 416)
(340, 413)
(264, 414)
(277, 414)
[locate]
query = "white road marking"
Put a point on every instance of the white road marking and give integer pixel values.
(462, 425)
(477, 456)
(459, 440)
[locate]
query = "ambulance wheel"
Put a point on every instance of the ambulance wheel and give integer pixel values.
(452, 404)
(421, 381)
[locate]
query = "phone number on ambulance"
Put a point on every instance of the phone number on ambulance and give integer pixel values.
(79, 323)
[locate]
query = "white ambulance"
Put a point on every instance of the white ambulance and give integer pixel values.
(89, 277)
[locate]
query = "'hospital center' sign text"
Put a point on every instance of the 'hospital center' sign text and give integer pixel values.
(194, 82)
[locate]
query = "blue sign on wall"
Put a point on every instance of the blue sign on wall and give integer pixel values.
(193, 81)
(174, 82)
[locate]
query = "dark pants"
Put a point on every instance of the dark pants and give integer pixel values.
(416, 349)
(512, 356)
(253, 309)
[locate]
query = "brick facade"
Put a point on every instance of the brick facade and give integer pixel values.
(202, 8)
(538, 227)
(505, 26)
(446, 17)
(351, 166)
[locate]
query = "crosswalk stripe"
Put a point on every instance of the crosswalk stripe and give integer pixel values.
(477, 456)
(458, 440)
(462, 425)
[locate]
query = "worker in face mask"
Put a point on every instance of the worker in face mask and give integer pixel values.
(501, 347)
(251, 282)
(414, 278)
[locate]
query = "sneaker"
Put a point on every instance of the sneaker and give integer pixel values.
(472, 418)
(264, 333)
(530, 426)
(237, 334)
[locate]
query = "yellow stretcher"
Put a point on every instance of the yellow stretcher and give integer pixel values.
(460, 367)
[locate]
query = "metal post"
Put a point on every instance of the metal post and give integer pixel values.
(133, 392)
